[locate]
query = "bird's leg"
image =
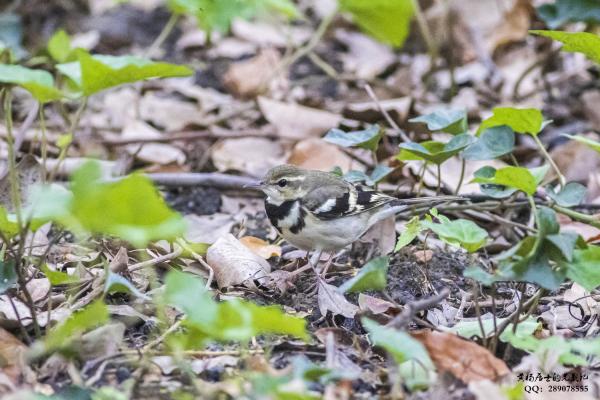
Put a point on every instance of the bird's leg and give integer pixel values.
(314, 259)
(328, 264)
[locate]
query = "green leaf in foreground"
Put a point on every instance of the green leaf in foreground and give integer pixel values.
(372, 276)
(115, 283)
(38, 82)
(78, 323)
(58, 277)
(401, 346)
(96, 73)
(459, 232)
(59, 47)
(228, 320)
(592, 144)
(521, 120)
(569, 196)
(585, 267)
(493, 143)
(450, 121)
(386, 20)
(568, 351)
(366, 139)
(432, 151)
(576, 42)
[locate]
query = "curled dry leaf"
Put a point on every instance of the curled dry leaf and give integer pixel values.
(294, 121)
(254, 76)
(261, 247)
(330, 299)
(234, 264)
(120, 261)
(423, 255)
(374, 305)
(383, 234)
(464, 359)
(368, 111)
(207, 228)
(252, 155)
(514, 27)
(169, 113)
(575, 160)
(318, 154)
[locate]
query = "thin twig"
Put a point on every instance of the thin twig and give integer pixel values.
(385, 114)
(166, 257)
(402, 320)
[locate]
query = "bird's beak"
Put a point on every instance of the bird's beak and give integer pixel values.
(257, 185)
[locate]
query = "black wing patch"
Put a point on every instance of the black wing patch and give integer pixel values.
(339, 208)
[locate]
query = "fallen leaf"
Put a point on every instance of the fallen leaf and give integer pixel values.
(575, 160)
(373, 304)
(38, 288)
(252, 155)
(12, 358)
(366, 58)
(234, 264)
(169, 113)
(514, 27)
(119, 262)
(423, 255)
(330, 299)
(254, 76)
(157, 153)
(465, 360)
(207, 228)
(219, 362)
(261, 247)
(318, 154)
(294, 121)
(103, 341)
(266, 34)
(383, 234)
(590, 100)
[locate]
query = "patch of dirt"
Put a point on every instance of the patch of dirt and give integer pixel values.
(194, 200)
(410, 279)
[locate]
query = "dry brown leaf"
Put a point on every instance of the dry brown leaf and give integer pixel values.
(207, 228)
(168, 112)
(318, 154)
(575, 160)
(252, 155)
(266, 34)
(423, 255)
(101, 342)
(234, 264)
(464, 359)
(38, 288)
(254, 76)
(12, 358)
(119, 262)
(294, 121)
(374, 304)
(383, 234)
(158, 153)
(366, 58)
(261, 247)
(330, 299)
(514, 27)
(587, 232)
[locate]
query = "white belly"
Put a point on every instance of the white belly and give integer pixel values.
(327, 234)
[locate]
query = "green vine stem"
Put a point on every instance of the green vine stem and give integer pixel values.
(462, 176)
(74, 124)
(586, 218)
(432, 47)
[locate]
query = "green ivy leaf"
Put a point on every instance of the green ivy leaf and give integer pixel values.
(493, 143)
(565, 243)
(521, 120)
(372, 276)
(57, 277)
(459, 232)
(59, 47)
(378, 174)
(410, 232)
(386, 20)
(8, 224)
(400, 345)
(576, 42)
(572, 194)
(563, 11)
(115, 283)
(585, 267)
(515, 177)
(450, 121)
(8, 275)
(592, 144)
(366, 139)
(99, 72)
(434, 152)
(36, 81)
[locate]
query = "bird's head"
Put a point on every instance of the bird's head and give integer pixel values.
(285, 182)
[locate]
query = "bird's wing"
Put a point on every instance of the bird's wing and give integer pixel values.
(343, 199)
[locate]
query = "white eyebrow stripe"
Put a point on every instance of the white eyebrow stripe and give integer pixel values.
(293, 178)
(327, 206)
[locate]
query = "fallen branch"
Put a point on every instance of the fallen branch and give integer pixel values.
(410, 310)
(214, 179)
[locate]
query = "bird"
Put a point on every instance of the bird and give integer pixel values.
(319, 211)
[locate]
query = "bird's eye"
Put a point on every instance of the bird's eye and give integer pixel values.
(282, 182)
